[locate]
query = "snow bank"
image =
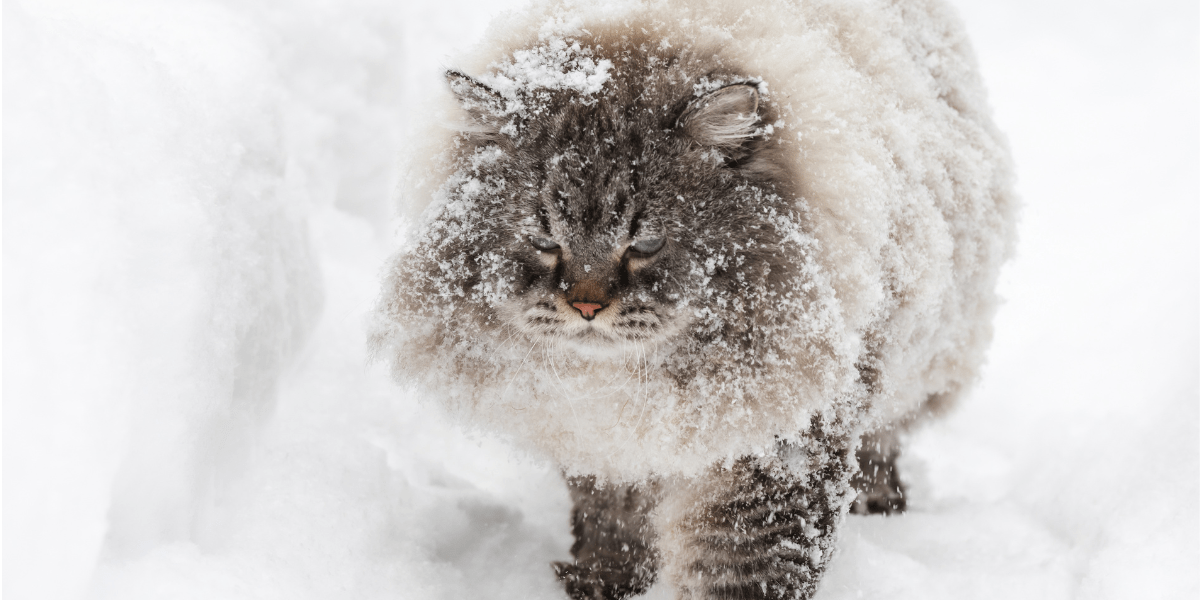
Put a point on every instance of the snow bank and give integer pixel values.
(158, 259)
(162, 163)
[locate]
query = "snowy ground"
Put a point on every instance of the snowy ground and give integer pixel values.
(197, 199)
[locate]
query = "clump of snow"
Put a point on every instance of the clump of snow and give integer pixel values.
(555, 64)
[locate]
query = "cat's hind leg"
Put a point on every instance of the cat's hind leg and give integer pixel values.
(880, 490)
(614, 540)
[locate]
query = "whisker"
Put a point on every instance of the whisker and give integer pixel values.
(519, 369)
(620, 414)
(562, 387)
(500, 348)
(646, 400)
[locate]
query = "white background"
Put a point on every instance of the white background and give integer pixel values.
(197, 201)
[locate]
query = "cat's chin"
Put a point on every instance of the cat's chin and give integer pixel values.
(593, 344)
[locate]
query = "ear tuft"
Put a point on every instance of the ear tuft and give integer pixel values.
(724, 119)
(484, 105)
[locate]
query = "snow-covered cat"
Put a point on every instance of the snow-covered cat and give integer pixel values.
(694, 252)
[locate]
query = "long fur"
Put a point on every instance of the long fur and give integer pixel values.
(898, 214)
(694, 251)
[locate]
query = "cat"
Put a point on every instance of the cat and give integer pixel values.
(711, 259)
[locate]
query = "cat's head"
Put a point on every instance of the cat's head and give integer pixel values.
(624, 215)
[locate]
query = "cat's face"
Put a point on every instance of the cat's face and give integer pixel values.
(627, 216)
(603, 261)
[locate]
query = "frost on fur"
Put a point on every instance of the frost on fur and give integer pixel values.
(696, 296)
(830, 247)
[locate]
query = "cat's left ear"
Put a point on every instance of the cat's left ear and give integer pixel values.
(725, 119)
(483, 105)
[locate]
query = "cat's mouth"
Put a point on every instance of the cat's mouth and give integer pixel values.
(617, 324)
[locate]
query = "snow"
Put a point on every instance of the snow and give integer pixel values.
(556, 66)
(197, 199)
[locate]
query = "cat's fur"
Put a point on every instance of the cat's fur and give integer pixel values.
(788, 220)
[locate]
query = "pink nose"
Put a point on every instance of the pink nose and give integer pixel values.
(587, 309)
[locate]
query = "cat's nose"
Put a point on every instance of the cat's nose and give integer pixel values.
(587, 309)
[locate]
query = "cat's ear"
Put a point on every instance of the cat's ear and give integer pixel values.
(483, 105)
(724, 119)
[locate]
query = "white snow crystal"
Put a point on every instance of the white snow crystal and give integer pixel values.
(557, 64)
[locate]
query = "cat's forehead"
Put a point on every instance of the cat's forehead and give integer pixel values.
(609, 125)
(589, 158)
(591, 131)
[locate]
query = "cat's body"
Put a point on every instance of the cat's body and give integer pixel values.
(698, 250)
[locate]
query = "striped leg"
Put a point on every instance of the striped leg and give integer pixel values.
(756, 530)
(614, 541)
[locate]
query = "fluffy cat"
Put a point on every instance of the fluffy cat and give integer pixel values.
(703, 255)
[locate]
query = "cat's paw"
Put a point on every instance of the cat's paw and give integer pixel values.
(880, 490)
(884, 499)
(586, 583)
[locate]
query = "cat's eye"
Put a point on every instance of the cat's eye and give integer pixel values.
(543, 244)
(647, 247)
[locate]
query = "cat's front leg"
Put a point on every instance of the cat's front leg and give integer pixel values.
(614, 540)
(757, 529)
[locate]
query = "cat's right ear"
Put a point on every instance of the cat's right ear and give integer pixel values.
(483, 105)
(725, 119)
